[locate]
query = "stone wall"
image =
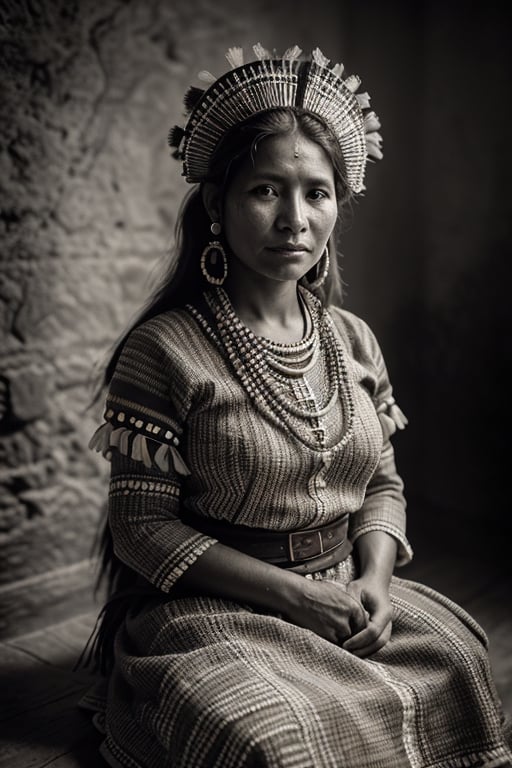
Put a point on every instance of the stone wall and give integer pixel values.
(89, 198)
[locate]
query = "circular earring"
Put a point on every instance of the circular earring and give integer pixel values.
(214, 262)
(322, 270)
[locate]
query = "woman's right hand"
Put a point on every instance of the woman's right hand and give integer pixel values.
(327, 609)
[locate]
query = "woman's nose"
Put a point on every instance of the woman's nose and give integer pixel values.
(292, 215)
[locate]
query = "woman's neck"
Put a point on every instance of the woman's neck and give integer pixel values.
(269, 308)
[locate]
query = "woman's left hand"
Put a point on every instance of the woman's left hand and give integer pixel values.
(374, 596)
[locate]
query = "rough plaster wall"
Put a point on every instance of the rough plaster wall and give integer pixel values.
(89, 197)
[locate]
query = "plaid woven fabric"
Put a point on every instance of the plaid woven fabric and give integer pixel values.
(207, 683)
(210, 684)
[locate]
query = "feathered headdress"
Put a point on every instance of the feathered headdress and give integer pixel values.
(270, 82)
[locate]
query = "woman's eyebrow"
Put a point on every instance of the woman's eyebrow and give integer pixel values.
(270, 175)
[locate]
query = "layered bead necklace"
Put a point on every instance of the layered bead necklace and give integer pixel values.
(266, 368)
(294, 360)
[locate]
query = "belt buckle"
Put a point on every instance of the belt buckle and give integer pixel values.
(304, 545)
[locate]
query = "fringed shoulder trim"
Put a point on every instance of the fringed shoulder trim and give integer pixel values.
(366, 351)
(149, 439)
(391, 417)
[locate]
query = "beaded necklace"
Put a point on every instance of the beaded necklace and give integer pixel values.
(296, 359)
(263, 366)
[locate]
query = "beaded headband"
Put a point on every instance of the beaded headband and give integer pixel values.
(272, 82)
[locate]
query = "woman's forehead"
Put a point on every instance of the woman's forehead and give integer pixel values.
(289, 153)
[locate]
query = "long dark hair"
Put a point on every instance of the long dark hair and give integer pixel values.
(181, 283)
(182, 280)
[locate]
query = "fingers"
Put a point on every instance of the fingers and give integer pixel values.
(355, 591)
(352, 623)
(331, 612)
(375, 646)
(378, 628)
(342, 632)
(349, 619)
(369, 640)
(358, 616)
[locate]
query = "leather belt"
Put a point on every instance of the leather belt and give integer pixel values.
(303, 551)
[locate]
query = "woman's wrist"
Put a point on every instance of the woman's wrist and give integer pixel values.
(280, 591)
(228, 573)
(376, 554)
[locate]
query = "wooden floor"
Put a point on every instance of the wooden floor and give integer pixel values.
(39, 721)
(42, 728)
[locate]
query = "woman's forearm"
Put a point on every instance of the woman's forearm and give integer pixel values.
(376, 552)
(225, 572)
(319, 606)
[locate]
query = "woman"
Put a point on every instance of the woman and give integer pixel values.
(248, 423)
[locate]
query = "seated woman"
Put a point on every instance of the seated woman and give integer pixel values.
(255, 512)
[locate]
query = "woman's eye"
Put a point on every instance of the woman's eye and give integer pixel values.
(265, 190)
(317, 194)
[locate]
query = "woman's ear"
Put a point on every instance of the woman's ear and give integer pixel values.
(211, 200)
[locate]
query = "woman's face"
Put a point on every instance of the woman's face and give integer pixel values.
(280, 209)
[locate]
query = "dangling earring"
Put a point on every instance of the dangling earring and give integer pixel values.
(214, 263)
(322, 269)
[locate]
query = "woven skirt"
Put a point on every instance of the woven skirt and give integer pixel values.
(208, 683)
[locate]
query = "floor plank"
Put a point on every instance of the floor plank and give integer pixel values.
(479, 580)
(40, 691)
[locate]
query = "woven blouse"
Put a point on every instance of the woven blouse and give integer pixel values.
(183, 435)
(201, 680)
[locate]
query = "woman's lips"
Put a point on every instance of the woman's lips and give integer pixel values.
(287, 248)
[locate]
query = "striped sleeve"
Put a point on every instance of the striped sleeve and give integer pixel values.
(147, 533)
(384, 505)
(145, 412)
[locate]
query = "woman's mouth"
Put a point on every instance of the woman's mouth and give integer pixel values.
(290, 248)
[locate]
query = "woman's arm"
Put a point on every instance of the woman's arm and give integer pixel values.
(150, 538)
(322, 607)
(384, 506)
(376, 554)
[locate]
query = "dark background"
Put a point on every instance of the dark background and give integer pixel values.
(427, 255)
